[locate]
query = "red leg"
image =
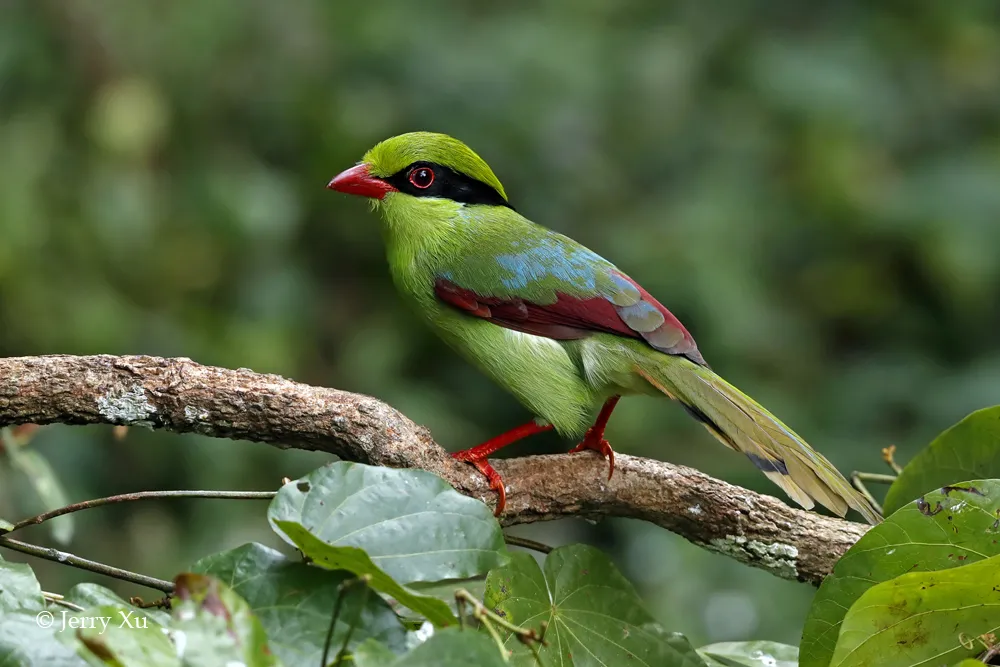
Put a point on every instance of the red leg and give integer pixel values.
(594, 439)
(477, 456)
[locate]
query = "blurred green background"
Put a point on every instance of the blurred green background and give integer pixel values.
(814, 189)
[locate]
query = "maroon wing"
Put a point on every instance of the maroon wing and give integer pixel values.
(628, 311)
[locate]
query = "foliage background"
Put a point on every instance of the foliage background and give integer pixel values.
(812, 189)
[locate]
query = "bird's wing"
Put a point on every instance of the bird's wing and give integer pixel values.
(546, 284)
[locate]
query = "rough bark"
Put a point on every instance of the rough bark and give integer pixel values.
(183, 396)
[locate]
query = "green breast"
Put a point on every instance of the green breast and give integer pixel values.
(544, 375)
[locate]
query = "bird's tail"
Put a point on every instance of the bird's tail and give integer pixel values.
(739, 422)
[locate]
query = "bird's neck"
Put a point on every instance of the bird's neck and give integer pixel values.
(418, 232)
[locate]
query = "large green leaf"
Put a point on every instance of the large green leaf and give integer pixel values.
(89, 595)
(295, 601)
(127, 640)
(412, 524)
(594, 615)
(210, 625)
(451, 647)
(31, 634)
(922, 618)
(968, 450)
(216, 626)
(946, 529)
(19, 590)
(26, 642)
(356, 561)
(370, 653)
(750, 654)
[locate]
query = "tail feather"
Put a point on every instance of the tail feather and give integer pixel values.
(791, 489)
(824, 494)
(742, 424)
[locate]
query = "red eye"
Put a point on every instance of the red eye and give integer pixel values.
(421, 177)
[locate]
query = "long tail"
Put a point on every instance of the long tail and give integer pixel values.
(739, 422)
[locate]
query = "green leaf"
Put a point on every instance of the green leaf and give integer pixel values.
(412, 524)
(295, 602)
(370, 653)
(968, 450)
(216, 625)
(36, 636)
(451, 647)
(594, 615)
(444, 591)
(127, 640)
(19, 590)
(24, 642)
(968, 662)
(48, 488)
(5, 526)
(356, 561)
(89, 595)
(922, 618)
(944, 530)
(751, 654)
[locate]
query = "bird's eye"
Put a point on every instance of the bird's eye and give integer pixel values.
(421, 177)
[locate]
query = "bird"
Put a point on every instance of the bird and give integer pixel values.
(559, 327)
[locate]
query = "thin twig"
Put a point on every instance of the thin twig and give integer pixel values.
(497, 639)
(57, 556)
(350, 629)
(878, 478)
(486, 617)
(342, 591)
(858, 479)
(889, 456)
(160, 603)
(460, 603)
(533, 646)
(526, 543)
(56, 598)
(989, 641)
(140, 495)
(333, 623)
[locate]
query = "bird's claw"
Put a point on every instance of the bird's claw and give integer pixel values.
(597, 443)
(492, 476)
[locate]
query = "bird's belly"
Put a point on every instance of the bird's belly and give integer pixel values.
(545, 375)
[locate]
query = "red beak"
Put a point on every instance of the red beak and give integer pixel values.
(357, 181)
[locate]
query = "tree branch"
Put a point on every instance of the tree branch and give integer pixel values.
(185, 397)
(57, 556)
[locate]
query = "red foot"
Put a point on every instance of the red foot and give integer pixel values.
(594, 439)
(478, 455)
(492, 476)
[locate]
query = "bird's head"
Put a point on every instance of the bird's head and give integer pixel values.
(419, 168)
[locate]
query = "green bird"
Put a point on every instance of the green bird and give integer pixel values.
(554, 323)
